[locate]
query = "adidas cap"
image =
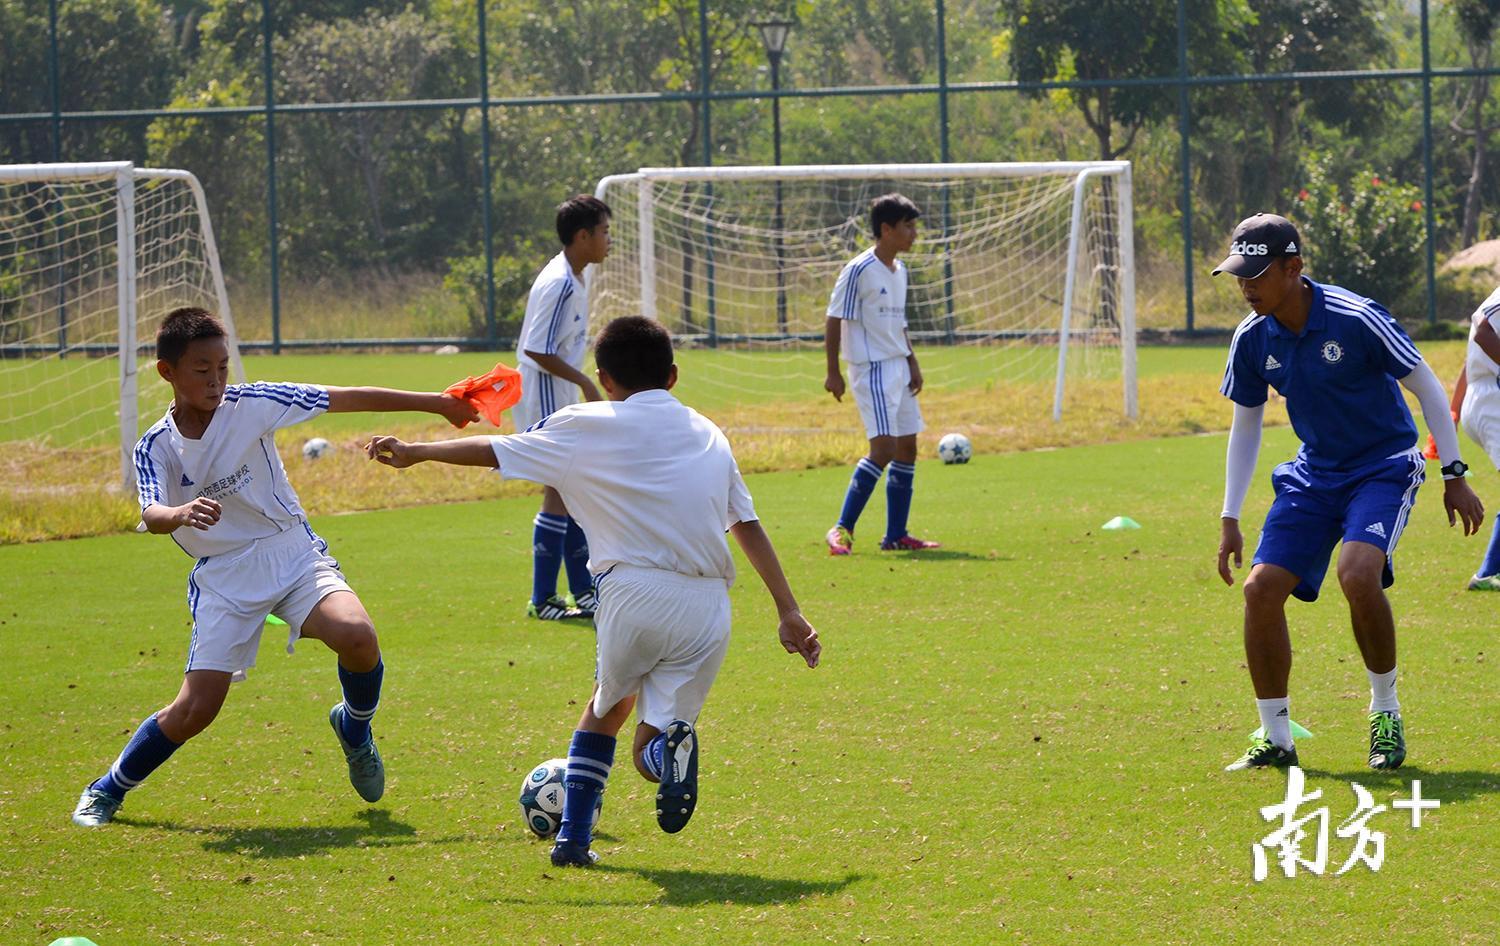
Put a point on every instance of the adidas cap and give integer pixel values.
(1256, 242)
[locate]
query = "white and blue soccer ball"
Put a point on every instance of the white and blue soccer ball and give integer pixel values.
(316, 448)
(542, 795)
(955, 448)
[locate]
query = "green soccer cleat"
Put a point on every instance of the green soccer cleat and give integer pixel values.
(553, 609)
(366, 768)
(1486, 583)
(95, 809)
(1262, 753)
(1387, 741)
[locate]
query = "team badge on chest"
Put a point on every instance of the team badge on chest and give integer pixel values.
(1333, 352)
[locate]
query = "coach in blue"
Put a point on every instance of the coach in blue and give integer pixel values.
(1337, 358)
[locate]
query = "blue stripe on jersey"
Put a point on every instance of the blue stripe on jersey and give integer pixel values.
(851, 291)
(1346, 303)
(146, 480)
(557, 313)
(271, 468)
(285, 395)
(1249, 322)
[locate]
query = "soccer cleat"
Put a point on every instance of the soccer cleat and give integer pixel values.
(366, 768)
(1387, 741)
(586, 603)
(1487, 583)
(1263, 752)
(907, 543)
(677, 794)
(840, 541)
(573, 854)
(95, 808)
(553, 609)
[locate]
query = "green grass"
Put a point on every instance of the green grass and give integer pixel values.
(1016, 739)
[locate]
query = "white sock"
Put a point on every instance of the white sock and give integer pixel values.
(1276, 720)
(1383, 692)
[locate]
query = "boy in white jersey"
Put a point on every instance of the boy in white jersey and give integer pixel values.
(1476, 402)
(867, 324)
(656, 486)
(210, 464)
(553, 342)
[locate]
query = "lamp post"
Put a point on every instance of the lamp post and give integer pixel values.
(773, 33)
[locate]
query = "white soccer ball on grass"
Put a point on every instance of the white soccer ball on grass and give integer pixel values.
(955, 448)
(316, 448)
(542, 795)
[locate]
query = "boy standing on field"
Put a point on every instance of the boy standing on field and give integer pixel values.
(209, 476)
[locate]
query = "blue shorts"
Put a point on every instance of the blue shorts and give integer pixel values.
(1314, 509)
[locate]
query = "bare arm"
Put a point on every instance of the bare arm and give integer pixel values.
(465, 451)
(1460, 388)
(351, 400)
(832, 338)
(163, 520)
(911, 363)
(797, 636)
(556, 366)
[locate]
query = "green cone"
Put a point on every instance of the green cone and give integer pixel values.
(275, 621)
(1298, 732)
(1120, 522)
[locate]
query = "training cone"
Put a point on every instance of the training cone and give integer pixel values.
(275, 621)
(1298, 732)
(73, 941)
(1120, 522)
(1430, 452)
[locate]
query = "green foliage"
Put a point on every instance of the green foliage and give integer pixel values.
(514, 274)
(1366, 233)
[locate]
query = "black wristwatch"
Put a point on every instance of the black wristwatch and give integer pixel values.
(1454, 470)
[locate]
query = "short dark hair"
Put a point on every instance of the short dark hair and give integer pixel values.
(636, 352)
(892, 209)
(183, 326)
(584, 212)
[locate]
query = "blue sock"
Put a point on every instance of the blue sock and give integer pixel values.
(576, 559)
(652, 752)
(898, 498)
(590, 758)
(146, 750)
(861, 485)
(361, 696)
(1491, 564)
(546, 555)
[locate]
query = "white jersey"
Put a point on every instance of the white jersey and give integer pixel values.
(651, 481)
(557, 316)
(1480, 369)
(234, 463)
(870, 299)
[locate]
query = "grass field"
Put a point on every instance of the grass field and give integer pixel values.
(1018, 738)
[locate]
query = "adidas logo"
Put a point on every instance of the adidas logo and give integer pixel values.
(1272, 364)
(1283, 712)
(1290, 248)
(1376, 529)
(882, 291)
(186, 481)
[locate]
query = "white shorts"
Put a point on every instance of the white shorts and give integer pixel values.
(662, 636)
(542, 392)
(1481, 419)
(882, 391)
(230, 595)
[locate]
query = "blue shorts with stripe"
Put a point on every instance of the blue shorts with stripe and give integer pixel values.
(1315, 509)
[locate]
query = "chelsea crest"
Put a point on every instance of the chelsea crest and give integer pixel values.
(1333, 353)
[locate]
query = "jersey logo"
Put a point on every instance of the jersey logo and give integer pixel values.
(1376, 528)
(1291, 249)
(186, 481)
(1249, 249)
(1333, 353)
(1272, 364)
(882, 291)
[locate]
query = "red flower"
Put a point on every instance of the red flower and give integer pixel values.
(1375, 180)
(1303, 194)
(1416, 205)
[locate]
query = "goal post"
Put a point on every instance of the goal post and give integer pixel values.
(91, 256)
(1034, 257)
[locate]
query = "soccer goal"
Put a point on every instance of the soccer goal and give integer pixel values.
(1031, 266)
(91, 257)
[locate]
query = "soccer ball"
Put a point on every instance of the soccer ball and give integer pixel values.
(955, 448)
(542, 796)
(316, 448)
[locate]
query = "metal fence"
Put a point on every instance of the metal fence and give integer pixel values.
(942, 94)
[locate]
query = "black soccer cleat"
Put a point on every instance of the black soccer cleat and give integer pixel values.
(573, 854)
(1387, 741)
(1262, 753)
(678, 793)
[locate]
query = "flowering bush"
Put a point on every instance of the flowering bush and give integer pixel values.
(1366, 234)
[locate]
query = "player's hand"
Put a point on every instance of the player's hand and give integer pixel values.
(390, 451)
(835, 385)
(456, 410)
(916, 378)
(1461, 503)
(798, 637)
(591, 391)
(1231, 543)
(200, 513)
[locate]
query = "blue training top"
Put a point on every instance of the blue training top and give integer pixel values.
(1338, 377)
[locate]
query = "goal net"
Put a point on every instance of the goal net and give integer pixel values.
(1022, 273)
(91, 257)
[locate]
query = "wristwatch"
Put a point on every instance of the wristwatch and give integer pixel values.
(1454, 470)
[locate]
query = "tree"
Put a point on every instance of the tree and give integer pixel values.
(1476, 25)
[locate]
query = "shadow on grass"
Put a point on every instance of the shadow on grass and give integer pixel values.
(691, 888)
(942, 555)
(378, 830)
(1443, 785)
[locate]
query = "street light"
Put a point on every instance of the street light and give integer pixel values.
(773, 33)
